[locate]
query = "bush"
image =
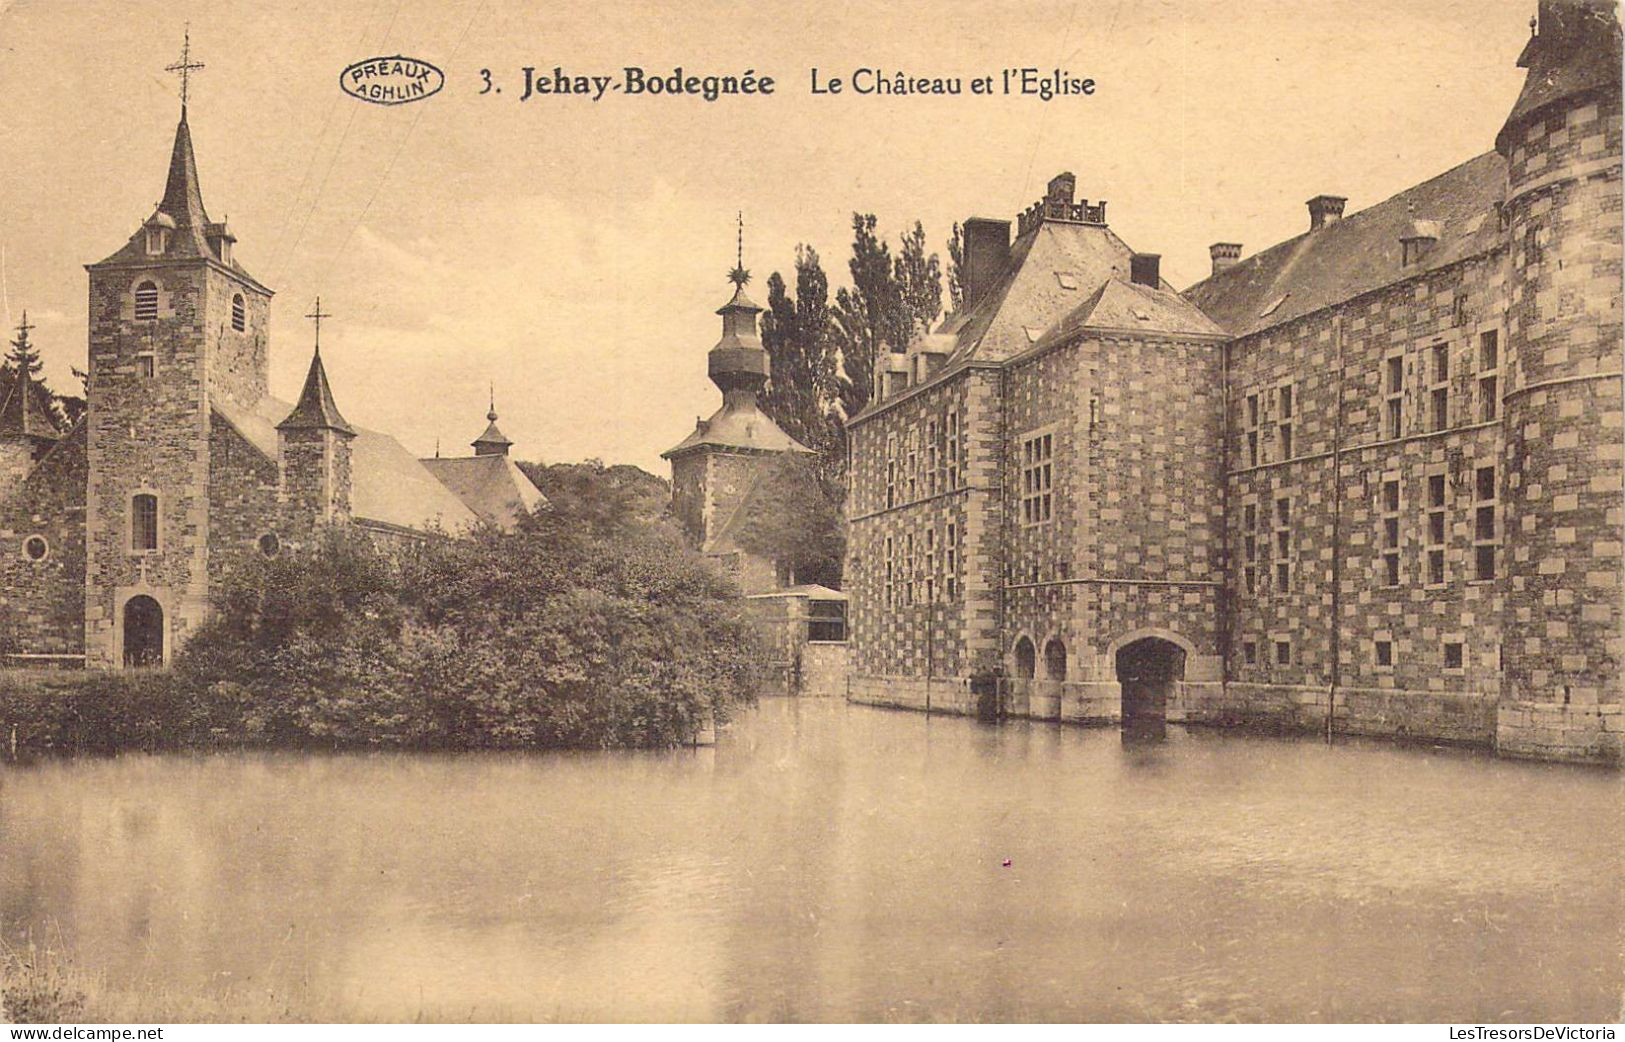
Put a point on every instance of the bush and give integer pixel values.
(587, 627)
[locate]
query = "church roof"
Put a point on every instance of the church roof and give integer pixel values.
(387, 483)
(492, 486)
(1359, 253)
(316, 409)
(22, 413)
(182, 204)
(738, 425)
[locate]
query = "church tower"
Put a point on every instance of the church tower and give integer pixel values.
(1562, 482)
(175, 324)
(715, 467)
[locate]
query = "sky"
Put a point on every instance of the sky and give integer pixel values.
(573, 253)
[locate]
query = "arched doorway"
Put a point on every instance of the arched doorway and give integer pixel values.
(143, 632)
(1054, 660)
(1026, 659)
(1147, 669)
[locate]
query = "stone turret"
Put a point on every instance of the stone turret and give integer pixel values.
(313, 449)
(715, 466)
(1560, 484)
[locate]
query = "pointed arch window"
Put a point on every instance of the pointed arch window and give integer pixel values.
(239, 314)
(146, 302)
(143, 521)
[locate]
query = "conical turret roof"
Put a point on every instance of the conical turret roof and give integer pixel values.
(315, 409)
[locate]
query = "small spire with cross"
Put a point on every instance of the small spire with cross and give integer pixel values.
(492, 415)
(184, 67)
(316, 315)
(24, 328)
(739, 276)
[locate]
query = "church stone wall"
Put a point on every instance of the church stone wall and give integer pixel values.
(147, 435)
(42, 602)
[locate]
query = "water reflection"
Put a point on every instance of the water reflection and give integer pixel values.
(832, 863)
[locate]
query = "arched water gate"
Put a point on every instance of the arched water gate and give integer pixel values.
(1147, 670)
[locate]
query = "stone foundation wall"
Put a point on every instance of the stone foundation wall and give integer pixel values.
(823, 670)
(1570, 733)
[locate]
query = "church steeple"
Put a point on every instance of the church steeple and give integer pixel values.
(183, 197)
(316, 409)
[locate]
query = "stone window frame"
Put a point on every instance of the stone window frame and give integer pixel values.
(908, 569)
(950, 551)
(1278, 641)
(1252, 416)
(1378, 640)
(1037, 470)
(1460, 641)
(1391, 530)
(1283, 543)
(276, 544)
(933, 457)
(239, 313)
(931, 563)
(891, 570)
(1249, 651)
(1486, 507)
(1437, 350)
(1436, 526)
(29, 557)
(1285, 397)
(891, 469)
(911, 468)
(157, 522)
(1487, 385)
(1249, 543)
(157, 240)
(139, 308)
(1392, 417)
(950, 422)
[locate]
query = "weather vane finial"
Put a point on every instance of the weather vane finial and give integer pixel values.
(492, 415)
(185, 66)
(739, 276)
(316, 315)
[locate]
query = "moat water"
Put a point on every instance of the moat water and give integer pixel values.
(827, 862)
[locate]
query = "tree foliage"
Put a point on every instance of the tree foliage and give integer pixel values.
(795, 519)
(24, 355)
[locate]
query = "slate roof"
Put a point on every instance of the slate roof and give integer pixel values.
(388, 484)
(492, 436)
(182, 204)
(1128, 305)
(1577, 50)
(1051, 271)
(1359, 253)
(316, 409)
(492, 486)
(23, 414)
(737, 425)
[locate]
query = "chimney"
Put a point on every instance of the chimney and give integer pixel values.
(1061, 188)
(987, 249)
(1143, 269)
(1224, 254)
(1324, 210)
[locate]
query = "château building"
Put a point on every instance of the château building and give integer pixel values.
(1367, 480)
(115, 534)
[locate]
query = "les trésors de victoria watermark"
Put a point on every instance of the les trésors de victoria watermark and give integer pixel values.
(398, 79)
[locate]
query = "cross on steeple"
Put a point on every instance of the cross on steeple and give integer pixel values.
(185, 66)
(316, 315)
(24, 327)
(739, 276)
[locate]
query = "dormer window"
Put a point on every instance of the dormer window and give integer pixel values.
(146, 302)
(239, 315)
(157, 240)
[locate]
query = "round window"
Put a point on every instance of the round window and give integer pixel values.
(270, 544)
(35, 548)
